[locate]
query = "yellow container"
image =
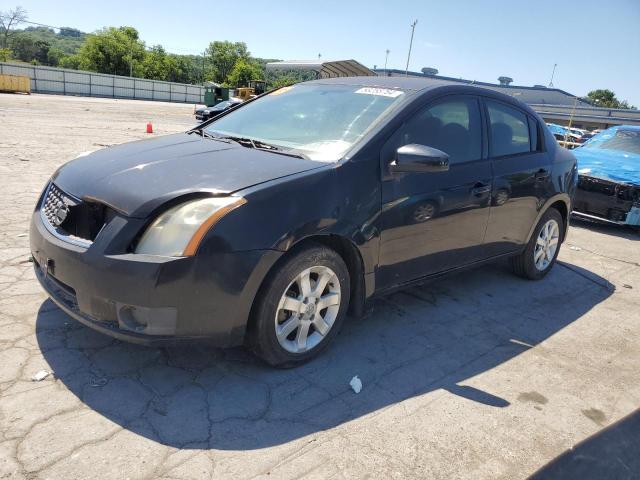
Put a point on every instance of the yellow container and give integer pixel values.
(15, 83)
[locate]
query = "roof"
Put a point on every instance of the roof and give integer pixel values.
(403, 83)
(324, 69)
(532, 95)
(413, 84)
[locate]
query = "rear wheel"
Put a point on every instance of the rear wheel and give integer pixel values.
(300, 307)
(542, 250)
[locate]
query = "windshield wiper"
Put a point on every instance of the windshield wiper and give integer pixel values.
(205, 134)
(260, 145)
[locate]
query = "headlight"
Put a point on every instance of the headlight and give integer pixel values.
(178, 231)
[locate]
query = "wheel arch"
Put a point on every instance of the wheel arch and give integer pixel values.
(562, 203)
(349, 254)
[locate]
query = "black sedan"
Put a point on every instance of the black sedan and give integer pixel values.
(205, 113)
(267, 224)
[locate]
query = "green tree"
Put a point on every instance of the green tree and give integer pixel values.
(155, 65)
(5, 54)
(70, 61)
(244, 71)
(607, 99)
(117, 51)
(223, 55)
(42, 52)
(24, 47)
(54, 55)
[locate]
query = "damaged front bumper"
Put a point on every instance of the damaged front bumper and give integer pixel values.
(608, 201)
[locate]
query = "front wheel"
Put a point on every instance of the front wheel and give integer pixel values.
(301, 307)
(541, 252)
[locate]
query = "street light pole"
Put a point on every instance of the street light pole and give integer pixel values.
(385, 61)
(553, 72)
(413, 29)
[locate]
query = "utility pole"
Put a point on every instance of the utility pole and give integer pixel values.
(204, 56)
(553, 72)
(385, 61)
(413, 29)
(131, 60)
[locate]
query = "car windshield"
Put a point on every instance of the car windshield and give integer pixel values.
(318, 121)
(622, 140)
(221, 105)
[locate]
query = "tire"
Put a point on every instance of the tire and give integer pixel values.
(283, 312)
(525, 264)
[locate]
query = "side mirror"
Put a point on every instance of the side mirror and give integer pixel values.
(420, 158)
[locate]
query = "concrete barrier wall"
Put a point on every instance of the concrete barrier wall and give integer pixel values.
(78, 82)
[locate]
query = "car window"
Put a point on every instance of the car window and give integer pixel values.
(452, 126)
(509, 130)
(533, 133)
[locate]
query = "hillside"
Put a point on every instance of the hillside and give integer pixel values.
(120, 50)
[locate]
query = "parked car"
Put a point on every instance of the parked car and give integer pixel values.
(205, 113)
(564, 134)
(267, 224)
(609, 176)
(585, 136)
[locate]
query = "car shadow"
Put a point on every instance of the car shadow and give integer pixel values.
(613, 452)
(623, 231)
(414, 342)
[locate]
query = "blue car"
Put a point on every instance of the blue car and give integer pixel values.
(609, 176)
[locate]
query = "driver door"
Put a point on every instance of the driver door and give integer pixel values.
(435, 221)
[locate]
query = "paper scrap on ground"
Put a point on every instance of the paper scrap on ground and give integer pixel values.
(356, 384)
(39, 376)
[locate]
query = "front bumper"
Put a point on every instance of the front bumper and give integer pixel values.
(605, 200)
(149, 299)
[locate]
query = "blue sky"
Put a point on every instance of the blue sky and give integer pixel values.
(596, 44)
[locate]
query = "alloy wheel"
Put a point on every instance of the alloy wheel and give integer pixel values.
(546, 245)
(308, 309)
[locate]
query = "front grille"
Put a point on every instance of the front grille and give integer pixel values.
(83, 219)
(55, 198)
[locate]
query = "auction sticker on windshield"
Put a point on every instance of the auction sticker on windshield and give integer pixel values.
(381, 92)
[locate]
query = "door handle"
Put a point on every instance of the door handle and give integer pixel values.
(480, 189)
(542, 174)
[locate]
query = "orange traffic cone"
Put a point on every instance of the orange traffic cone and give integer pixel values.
(149, 128)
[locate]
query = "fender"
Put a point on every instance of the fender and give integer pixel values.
(563, 197)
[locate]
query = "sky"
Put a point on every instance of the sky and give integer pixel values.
(596, 44)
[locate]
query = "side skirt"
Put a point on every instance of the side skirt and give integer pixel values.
(444, 273)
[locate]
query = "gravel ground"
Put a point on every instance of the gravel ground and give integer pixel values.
(479, 376)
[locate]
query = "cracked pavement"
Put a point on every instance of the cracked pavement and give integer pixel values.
(482, 375)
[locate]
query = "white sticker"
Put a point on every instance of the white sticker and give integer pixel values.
(382, 92)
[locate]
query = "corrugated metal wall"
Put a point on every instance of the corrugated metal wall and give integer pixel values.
(77, 82)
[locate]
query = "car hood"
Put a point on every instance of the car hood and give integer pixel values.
(612, 165)
(137, 177)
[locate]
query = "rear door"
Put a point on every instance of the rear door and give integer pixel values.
(522, 175)
(431, 222)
